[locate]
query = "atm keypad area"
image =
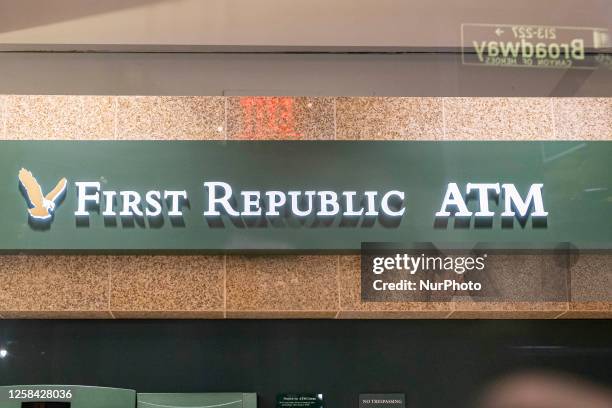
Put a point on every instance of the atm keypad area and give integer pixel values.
(77, 396)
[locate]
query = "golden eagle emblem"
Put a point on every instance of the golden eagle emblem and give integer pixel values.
(41, 206)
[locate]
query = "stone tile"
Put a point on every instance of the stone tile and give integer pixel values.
(508, 310)
(60, 117)
(279, 118)
(498, 119)
(591, 278)
(394, 314)
(98, 118)
(174, 314)
(65, 314)
(591, 287)
(518, 286)
(583, 118)
(41, 117)
(54, 286)
(373, 118)
(166, 285)
(2, 117)
(591, 310)
(300, 314)
(171, 117)
(351, 305)
(524, 278)
(282, 284)
(138, 117)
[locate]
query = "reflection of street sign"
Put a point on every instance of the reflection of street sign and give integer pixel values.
(601, 39)
(532, 45)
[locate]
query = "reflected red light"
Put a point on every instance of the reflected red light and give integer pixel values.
(267, 116)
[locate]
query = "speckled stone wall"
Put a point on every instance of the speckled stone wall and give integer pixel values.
(275, 286)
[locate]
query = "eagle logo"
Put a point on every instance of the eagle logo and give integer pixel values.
(41, 207)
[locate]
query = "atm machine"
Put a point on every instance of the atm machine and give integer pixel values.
(204, 400)
(78, 396)
(65, 396)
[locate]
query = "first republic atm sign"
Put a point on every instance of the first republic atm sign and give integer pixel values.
(242, 196)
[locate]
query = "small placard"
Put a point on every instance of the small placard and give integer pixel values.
(382, 401)
(299, 400)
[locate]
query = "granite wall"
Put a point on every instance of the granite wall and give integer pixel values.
(274, 286)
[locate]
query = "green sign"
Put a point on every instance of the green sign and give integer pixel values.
(217, 196)
(299, 401)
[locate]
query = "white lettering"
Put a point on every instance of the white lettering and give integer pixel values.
(329, 203)
(153, 198)
(483, 196)
(213, 200)
(175, 201)
(251, 203)
(371, 205)
(512, 198)
(83, 198)
(109, 204)
(453, 198)
(295, 196)
(276, 200)
(131, 200)
(384, 204)
(350, 211)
